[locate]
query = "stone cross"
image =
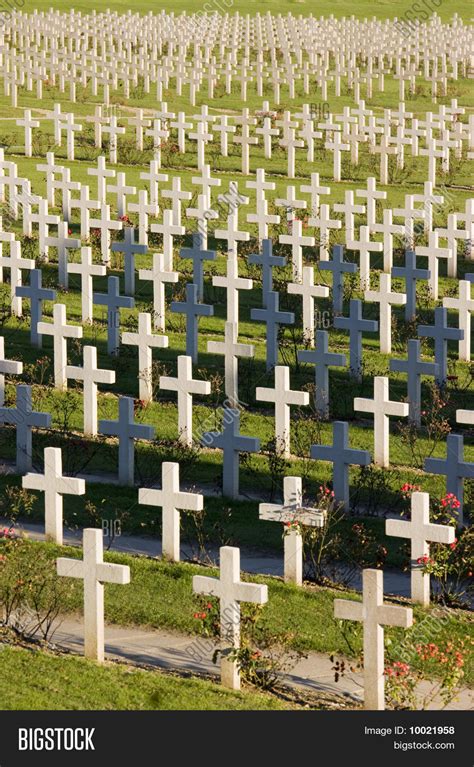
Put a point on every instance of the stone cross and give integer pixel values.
(145, 340)
(54, 486)
(464, 304)
(349, 208)
(273, 318)
(297, 241)
(365, 248)
(374, 615)
(322, 359)
(185, 386)
(28, 124)
(441, 334)
(411, 274)
(114, 130)
(291, 513)
(94, 572)
(267, 261)
(454, 467)
(24, 418)
(91, 375)
(105, 224)
(85, 205)
(433, 252)
(7, 367)
(130, 249)
(309, 292)
(168, 231)
(159, 277)
(465, 416)
(356, 325)
(231, 442)
(337, 146)
(178, 196)
(230, 591)
(36, 294)
(232, 350)
(172, 500)
(102, 174)
(371, 195)
(127, 431)
(15, 263)
(87, 270)
(60, 331)
(420, 532)
(192, 310)
(114, 302)
(324, 223)
(341, 456)
(387, 229)
(232, 284)
(382, 407)
(198, 255)
(63, 243)
(386, 299)
(414, 368)
(121, 190)
(338, 267)
(283, 397)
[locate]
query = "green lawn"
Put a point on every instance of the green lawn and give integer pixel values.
(37, 680)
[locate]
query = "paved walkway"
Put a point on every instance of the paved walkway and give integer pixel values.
(168, 650)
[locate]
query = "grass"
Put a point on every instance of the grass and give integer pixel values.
(38, 680)
(160, 596)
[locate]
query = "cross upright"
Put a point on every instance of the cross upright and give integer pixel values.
(130, 249)
(145, 340)
(7, 367)
(337, 146)
(315, 190)
(86, 270)
(283, 397)
(105, 225)
(102, 174)
(308, 292)
(230, 591)
(374, 615)
(28, 123)
(324, 223)
(60, 331)
(114, 302)
(349, 209)
(267, 261)
(356, 326)
(94, 572)
(168, 231)
(322, 360)
(273, 318)
(420, 532)
(290, 512)
(231, 442)
(172, 500)
(192, 309)
(16, 264)
(232, 350)
(121, 189)
(232, 284)
(36, 294)
(24, 418)
(365, 248)
(411, 274)
(198, 255)
(338, 267)
(341, 456)
(159, 277)
(441, 334)
(433, 253)
(185, 386)
(464, 305)
(178, 196)
(388, 229)
(371, 195)
(54, 486)
(90, 375)
(63, 243)
(297, 241)
(414, 368)
(454, 467)
(386, 298)
(127, 431)
(382, 407)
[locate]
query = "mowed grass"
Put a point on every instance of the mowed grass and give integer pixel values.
(37, 680)
(160, 595)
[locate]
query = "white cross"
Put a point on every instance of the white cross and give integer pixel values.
(371, 195)
(60, 331)
(168, 230)
(382, 407)
(433, 253)
(178, 196)
(420, 532)
(464, 304)
(94, 572)
(386, 299)
(349, 208)
(28, 124)
(154, 177)
(172, 500)
(63, 244)
(324, 223)
(230, 590)
(90, 375)
(140, 122)
(374, 614)
(87, 270)
(232, 284)
(145, 340)
(7, 367)
(297, 242)
(283, 397)
(158, 276)
(54, 486)
(185, 385)
(337, 146)
(231, 350)
(120, 189)
(308, 291)
(106, 225)
(291, 512)
(365, 248)
(102, 175)
(85, 205)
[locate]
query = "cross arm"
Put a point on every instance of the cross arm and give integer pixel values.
(70, 568)
(391, 615)
(106, 572)
(204, 585)
(348, 610)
